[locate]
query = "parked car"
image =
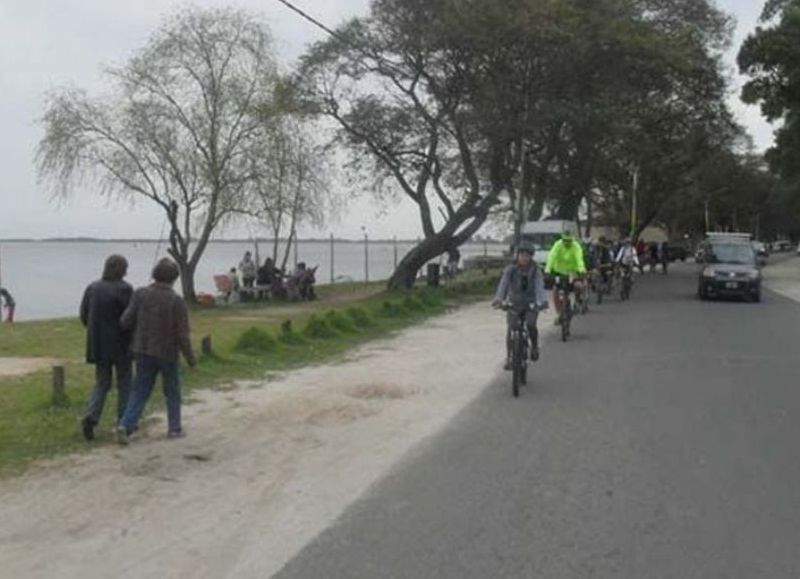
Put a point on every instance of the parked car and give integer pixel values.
(677, 252)
(728, 268)
(761, 249)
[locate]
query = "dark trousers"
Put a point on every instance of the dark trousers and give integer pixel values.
(514, 319)
(104, 374)
(147, 370)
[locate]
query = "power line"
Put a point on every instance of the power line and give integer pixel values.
(311, 19)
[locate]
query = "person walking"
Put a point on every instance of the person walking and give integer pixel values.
(159, 319)
(107, 343)
(9, 304)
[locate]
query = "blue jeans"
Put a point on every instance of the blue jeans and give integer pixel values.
(147, 370)
(104, 374)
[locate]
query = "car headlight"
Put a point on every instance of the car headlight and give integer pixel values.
(709, 272)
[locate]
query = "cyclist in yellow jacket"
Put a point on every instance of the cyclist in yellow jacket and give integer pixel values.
(566, 260)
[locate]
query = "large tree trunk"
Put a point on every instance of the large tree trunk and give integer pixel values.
(187, 281)
(407, 270)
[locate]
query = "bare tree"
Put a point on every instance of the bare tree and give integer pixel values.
(176, 129)
(292, 188)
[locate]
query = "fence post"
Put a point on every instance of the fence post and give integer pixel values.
(366, 257)
(59, 386)
(333, 254)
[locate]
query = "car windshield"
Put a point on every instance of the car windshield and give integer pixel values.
(733, 253)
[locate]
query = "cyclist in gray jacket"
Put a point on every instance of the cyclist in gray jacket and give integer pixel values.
(522, 285)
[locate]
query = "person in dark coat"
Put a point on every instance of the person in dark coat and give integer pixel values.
(107, 343)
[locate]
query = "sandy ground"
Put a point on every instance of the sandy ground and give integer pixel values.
(784, 278)
(10, 367)
(265, 468)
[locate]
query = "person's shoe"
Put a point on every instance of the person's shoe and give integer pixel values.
(508, 366)
(87, 427)
(173, 434)
(122, 436)
(535, 354)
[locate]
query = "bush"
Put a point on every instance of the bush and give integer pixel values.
(255, 341)
(289, 336)
(360, 318)
(392, 310)
(340, 322)
(317, 328)
(413, 304)
(430, 298)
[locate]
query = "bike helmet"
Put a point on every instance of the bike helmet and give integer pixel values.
(525, 247)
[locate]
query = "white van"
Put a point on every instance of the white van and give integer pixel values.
(542, 234)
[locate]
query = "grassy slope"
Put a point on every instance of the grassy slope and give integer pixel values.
(32, 428)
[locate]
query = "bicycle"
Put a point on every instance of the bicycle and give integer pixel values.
(603, 283)
(520, 344)
(583, 296)
(626, 285)
(565, 287)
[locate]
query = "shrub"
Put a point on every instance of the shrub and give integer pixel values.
(318, 328)
(391, 310)
(360, 318)
(289, 336)
(255, 341)
(340, 322)
(413, 304)
(430, 298)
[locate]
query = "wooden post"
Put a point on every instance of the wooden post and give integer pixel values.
(333, 256)
(205, 346)
(59, 386)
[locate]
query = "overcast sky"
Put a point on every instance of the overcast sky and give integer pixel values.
(48, 43)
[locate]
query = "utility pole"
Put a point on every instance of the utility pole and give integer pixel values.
(707, 217)
(635, 202)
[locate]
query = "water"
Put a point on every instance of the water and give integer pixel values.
(47, 279)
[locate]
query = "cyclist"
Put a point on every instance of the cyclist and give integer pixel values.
(627, 258)
(522, 284)
(565, 260)
(605, 262)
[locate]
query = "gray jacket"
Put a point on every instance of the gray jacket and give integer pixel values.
(522, 287)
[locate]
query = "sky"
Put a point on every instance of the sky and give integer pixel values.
(45, 44)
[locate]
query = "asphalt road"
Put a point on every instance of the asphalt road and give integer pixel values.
(661, 442)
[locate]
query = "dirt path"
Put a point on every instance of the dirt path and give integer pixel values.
(265, 467)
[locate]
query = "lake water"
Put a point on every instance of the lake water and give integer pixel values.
(47, 279)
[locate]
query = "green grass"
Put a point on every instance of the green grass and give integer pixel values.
(249, 340)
